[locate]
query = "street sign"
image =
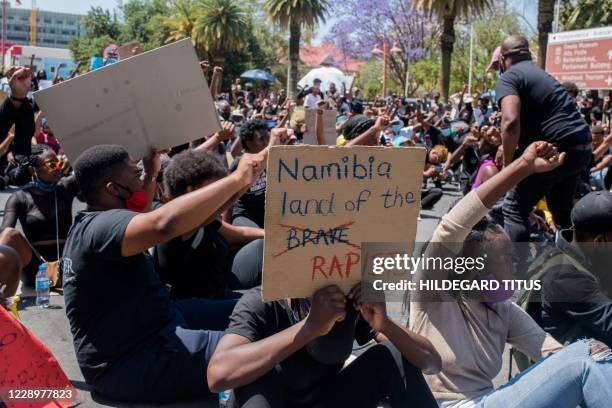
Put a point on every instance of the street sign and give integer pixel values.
(582, 56)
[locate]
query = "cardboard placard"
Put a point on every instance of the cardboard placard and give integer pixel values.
(322, 203)
(329, 127)
(157, 98)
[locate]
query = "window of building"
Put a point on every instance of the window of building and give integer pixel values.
(48, 21)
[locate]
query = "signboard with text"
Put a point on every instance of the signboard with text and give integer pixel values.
(582, 56)
(323, 202)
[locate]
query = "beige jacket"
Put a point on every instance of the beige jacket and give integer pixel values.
(471, 342)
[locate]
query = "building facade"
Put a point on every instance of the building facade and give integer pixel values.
(53, 29)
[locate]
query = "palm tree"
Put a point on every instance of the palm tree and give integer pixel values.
(295, 14)
(448, 11)
(546, 14)
(221, 27)
(180, 22)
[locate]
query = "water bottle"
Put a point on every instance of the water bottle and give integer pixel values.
(43, 286)
(224, 396)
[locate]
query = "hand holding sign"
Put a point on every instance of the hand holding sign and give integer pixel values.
(328, 307)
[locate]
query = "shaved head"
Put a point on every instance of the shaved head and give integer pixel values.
(514, 42)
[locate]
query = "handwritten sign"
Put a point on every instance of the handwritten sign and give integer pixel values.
(159, 97)
(329, 127)
(322, 203)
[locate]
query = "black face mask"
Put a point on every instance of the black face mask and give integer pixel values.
(225, 115)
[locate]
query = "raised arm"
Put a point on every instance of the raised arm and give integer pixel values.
(224, 134)
(189, 211)
(319, 128)
(214, 82)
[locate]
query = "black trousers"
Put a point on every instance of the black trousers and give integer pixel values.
(370, 379)
(559, 188)
(429, 197)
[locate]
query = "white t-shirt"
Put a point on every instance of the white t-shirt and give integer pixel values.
(310, 101)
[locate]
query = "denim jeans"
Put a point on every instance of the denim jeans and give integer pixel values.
(559, 188)
(578, 375)
(172, 365)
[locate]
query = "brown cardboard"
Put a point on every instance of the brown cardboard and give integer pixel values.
(327, 198)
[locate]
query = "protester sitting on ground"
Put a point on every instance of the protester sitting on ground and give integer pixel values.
(16, 110)
(136, 344)
(249, 210)
(359, 130)
(292, 352)
(216, 257)
(601, 159)
(44, 209)
(47, 137)
(470, 334)
(576, 281)
(477, 156)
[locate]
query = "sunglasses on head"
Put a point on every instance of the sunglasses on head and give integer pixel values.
(55, 164)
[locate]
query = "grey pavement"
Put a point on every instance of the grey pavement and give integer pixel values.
(51, 325)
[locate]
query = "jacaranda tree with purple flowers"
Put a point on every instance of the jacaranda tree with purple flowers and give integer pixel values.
(359, 25)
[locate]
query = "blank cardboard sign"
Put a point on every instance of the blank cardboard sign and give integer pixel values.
(157, 98)
(329, 127)
(323, 202)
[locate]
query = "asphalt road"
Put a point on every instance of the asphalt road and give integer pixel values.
(51, 325)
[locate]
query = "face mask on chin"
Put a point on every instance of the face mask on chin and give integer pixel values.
(137, 201)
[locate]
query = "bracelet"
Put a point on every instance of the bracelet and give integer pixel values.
(18, 99)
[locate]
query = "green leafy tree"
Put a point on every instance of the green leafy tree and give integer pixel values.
(296, 15)
(448, 11)
(101, 28)
(221, 27)
(142, 22)
(575, 15)
(99, 22)
(180, 21)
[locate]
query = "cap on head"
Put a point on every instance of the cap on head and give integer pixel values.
(493, 65)
(316, 81)
(593, 213)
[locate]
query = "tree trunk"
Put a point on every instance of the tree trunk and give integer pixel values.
(294, 57)
(546, 14)
(447, 41)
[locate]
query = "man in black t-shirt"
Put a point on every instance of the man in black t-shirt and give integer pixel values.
(290, 353)
(535, 106)
(132, 342)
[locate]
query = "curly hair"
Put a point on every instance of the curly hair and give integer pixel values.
(247, 131)
(442, 152)
(191, 168)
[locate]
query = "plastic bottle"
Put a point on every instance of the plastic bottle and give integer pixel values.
(224, 397)
(43, 286)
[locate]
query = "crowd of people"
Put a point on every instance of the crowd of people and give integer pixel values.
(179, 234)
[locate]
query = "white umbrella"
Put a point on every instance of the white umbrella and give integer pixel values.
(327, 75)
